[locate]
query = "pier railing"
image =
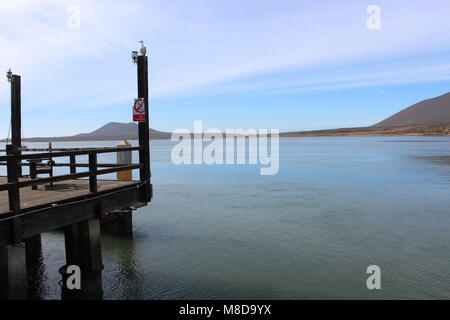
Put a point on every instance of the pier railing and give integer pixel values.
(15, 158)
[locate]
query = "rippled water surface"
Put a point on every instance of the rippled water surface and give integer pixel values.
(336, 206)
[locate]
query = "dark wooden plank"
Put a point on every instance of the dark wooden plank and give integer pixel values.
(61, 191)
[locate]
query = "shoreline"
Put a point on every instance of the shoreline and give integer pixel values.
(442, 130)
(281, 136)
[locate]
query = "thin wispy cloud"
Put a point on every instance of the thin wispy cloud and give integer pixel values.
(199, 46)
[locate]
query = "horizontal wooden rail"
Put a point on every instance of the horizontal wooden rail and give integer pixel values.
(80, 152)
(78, 165)
(62, 149)
(27, 183)
(55, 149)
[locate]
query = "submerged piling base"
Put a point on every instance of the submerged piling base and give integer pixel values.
(13, 280)
(125, 222)
(119, 223)
(83, 249)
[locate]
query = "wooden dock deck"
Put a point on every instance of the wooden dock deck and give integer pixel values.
(47, 195)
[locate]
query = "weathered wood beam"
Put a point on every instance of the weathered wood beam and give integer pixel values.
(13, 272)
(68, 212)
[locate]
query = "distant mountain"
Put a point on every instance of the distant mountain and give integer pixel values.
(429, 117)
(117, 131)
(110, 131)
(416, 130)
(430, 112)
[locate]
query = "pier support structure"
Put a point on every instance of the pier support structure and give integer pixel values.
(83, 249)
(13, 272)
(125, 224)
(21, 241)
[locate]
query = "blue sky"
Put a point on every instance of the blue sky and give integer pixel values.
(288, 65)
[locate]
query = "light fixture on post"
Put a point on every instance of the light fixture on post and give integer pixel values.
(9, 75)
(134, 55)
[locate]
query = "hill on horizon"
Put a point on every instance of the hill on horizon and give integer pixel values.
(118, 130)
(429, 112)
(110, 131)
(428, 117)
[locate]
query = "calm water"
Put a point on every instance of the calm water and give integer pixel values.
(337, 206)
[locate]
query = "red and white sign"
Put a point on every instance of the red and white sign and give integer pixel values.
(139, 110)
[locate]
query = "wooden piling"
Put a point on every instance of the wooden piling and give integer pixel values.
(13, 273)
(73, 162)
(125, 224)
(13, 177)
(83, 248)
(144, 135)
(16, 116)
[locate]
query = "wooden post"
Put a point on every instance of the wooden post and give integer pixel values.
(50, 161)
(144, 142)
(13, 176)
(33, 166)
(93, 170)
(90, 247)
(16, 116)
(83, 248)
(73, 161)
(125, 223)
(72, 244)
(124, 157)
(13, 282)
(91, 259)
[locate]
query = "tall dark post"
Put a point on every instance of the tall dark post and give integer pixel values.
(12, 257)
(144, 142)
(13, 177)
(16, 117)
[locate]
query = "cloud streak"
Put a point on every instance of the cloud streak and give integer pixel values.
(198, 45)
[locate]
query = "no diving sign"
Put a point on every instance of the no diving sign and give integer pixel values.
(139, 110)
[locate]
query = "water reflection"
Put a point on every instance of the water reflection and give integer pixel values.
(121, 260)
(36, 276)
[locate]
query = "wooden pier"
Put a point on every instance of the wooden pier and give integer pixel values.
(76, 202)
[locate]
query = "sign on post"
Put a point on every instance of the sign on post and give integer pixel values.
(139, 110)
